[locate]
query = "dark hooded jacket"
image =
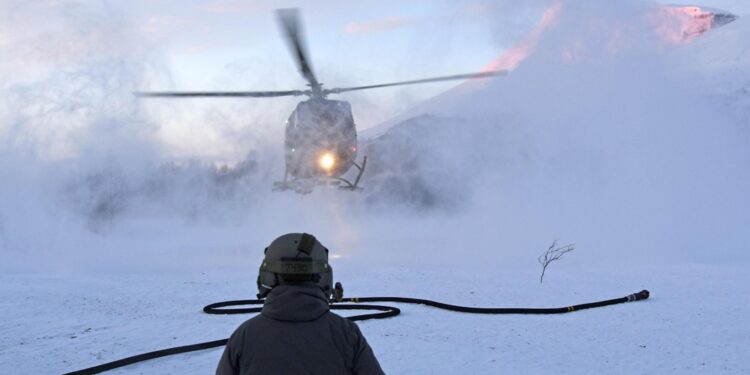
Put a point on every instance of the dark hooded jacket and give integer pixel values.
(295, 333)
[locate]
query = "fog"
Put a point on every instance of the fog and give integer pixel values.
(605, 136)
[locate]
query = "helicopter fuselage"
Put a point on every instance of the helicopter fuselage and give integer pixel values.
(320, 139)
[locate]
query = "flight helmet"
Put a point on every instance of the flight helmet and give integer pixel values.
(295, 258)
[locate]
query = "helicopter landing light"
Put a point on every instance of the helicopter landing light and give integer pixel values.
(327, 161)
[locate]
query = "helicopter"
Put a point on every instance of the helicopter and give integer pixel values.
(320, 140)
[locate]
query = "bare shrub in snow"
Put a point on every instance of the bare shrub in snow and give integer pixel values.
(552, 254)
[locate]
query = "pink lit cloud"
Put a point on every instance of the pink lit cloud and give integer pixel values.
(682, 24)
(512, 57)
(673, 24)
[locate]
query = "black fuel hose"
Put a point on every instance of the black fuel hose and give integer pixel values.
(216, 308)
(386, 312)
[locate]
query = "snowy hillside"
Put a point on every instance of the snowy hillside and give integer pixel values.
(606, 136)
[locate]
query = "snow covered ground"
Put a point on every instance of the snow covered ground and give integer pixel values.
(694, 322)
(605, 136)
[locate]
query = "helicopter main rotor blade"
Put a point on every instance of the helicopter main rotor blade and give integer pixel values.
(217, 94)
(290, 24)
(425, 80)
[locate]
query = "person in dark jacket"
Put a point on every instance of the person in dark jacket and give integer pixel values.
(295, 333)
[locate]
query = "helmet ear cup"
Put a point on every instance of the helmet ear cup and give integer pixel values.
(326, 282)
(266, 281)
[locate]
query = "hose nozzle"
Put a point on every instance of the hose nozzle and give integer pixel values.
(643, 294)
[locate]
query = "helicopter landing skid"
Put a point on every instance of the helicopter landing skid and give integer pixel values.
(354, 186)
(306, 185)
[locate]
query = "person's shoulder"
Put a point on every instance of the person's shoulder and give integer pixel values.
(332, 316)
(250, 324)
(347, 325)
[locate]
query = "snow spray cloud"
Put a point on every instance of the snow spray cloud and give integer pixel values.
(592, 139)
(598, 137)
(80, 152)
(65, 104)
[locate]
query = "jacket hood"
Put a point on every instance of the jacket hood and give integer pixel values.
(295, 303)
